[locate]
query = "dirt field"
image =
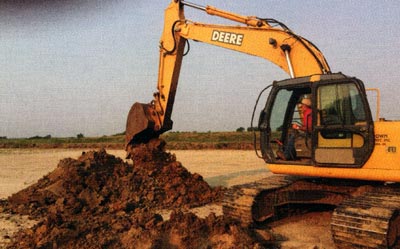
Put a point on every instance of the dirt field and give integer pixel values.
(21, 168)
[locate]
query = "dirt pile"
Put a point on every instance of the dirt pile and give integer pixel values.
(100, 201)
(98, 182)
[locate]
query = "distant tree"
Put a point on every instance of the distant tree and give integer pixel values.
(252, 129)
(4, 137)
(79, 136)
(240, 129)
(39, 137)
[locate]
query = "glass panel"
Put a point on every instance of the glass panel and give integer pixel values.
(357, 104)
(285, 142)
(278, 113)
(340, 105)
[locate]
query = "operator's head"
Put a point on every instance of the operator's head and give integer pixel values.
(306, 102)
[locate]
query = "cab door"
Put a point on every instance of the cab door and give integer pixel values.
(343, 134)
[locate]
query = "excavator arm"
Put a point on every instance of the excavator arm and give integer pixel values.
(265, 38)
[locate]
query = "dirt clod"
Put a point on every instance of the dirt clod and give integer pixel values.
(100, 201)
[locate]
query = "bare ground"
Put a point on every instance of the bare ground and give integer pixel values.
(21, 168)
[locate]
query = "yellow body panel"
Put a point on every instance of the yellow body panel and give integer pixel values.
(356, 141)
(383, 165)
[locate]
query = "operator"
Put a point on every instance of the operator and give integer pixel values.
(305, 108)
(289, 151)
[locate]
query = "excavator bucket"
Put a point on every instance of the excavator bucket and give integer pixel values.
(140, 125)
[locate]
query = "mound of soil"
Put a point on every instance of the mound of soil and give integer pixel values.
(100, 201)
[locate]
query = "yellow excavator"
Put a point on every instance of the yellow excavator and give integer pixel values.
(346, 160)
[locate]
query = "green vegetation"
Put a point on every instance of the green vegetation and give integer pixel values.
(209, 140)
(54, 142)
(208, 137)
(175, 140)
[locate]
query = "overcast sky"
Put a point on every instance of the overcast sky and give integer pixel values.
(70, 67)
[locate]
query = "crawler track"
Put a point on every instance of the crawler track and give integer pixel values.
(242, 202)
(368, 221)
(367, 214)
(258, 201)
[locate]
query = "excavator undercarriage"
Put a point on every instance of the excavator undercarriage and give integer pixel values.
(366, 214)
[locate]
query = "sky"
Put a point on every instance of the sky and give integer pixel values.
(71, 67)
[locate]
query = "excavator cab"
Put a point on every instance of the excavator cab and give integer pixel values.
(342, 133)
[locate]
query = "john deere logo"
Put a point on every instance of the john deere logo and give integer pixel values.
(227, 37)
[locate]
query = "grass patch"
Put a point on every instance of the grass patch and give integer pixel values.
(175, 140)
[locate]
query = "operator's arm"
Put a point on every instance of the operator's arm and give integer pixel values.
(306, 121)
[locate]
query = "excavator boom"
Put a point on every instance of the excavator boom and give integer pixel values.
(256, 36)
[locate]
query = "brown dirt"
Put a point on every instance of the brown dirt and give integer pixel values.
(100, 201)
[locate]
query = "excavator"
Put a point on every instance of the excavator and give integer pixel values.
(347, 160)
